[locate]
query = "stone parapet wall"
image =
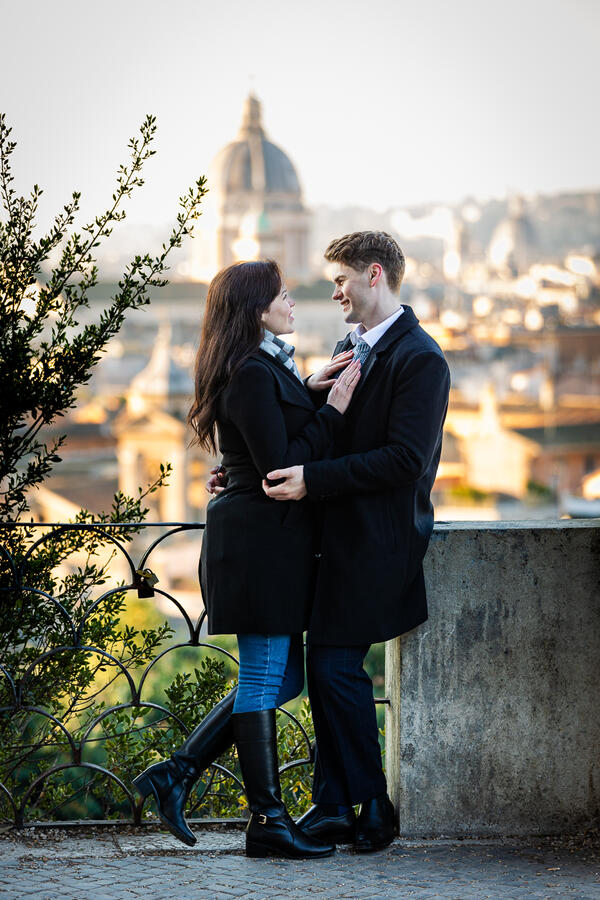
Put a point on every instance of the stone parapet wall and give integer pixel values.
(494, 718)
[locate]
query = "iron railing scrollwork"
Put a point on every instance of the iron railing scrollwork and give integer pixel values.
(19, 581)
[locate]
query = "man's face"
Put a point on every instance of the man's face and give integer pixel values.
(352, 291)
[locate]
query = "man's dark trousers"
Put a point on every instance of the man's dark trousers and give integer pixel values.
(348, 766)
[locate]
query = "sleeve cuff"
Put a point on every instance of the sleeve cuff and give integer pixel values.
(332, 414)
(315, 480)
(319, 398)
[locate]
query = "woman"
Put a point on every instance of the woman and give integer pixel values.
(258, 561)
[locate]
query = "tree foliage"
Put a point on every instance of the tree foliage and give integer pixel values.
(44, 356)
(48, 604)
(67, 635)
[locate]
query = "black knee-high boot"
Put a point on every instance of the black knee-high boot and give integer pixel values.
(171, 780)
(271, 830)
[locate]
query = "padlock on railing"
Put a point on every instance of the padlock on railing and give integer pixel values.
(145, 579)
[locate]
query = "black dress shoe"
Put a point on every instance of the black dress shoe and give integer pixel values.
(375, 825)
(338, 829)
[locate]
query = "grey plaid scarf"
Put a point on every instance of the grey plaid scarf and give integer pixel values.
(277, 348)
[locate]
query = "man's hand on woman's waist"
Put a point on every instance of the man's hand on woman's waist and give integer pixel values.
(217, 481)
(293, 488)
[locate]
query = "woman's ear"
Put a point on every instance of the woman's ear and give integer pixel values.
(265, 312)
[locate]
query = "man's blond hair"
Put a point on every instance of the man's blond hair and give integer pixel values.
(361, 248)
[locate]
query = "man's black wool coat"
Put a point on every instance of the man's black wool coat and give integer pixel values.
(377, 516)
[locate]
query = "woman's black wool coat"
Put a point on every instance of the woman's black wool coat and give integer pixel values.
(258, 562)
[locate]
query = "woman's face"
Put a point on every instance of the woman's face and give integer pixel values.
(278, 317)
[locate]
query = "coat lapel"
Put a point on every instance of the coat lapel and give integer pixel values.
(344, 344)
(293, 390)
(404, 323)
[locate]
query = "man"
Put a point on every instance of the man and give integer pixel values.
(377, 521)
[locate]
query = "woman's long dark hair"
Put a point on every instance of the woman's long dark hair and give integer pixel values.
(232, 330)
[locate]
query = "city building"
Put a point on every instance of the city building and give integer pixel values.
(255, 208)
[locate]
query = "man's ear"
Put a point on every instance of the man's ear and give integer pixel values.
(375, 273)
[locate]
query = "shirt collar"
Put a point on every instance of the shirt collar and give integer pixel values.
(374, 334)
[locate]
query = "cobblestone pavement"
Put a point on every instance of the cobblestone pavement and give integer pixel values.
(114, 866)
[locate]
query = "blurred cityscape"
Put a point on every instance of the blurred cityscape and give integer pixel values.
(510, 288)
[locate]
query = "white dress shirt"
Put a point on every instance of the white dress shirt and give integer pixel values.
(374, 334)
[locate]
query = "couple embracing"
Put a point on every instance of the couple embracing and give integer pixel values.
(319, 525)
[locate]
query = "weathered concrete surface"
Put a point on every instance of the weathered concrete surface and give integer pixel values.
(494, 723)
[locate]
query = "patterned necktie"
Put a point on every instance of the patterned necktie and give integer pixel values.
(361, 351)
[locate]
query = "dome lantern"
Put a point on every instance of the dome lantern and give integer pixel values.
(251, 119)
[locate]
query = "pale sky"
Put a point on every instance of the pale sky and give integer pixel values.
(380, 103)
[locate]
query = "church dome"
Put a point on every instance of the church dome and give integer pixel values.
(253, 163)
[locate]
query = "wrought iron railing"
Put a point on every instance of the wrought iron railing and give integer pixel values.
(25, 594)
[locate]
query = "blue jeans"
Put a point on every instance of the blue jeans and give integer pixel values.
(271, 670)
